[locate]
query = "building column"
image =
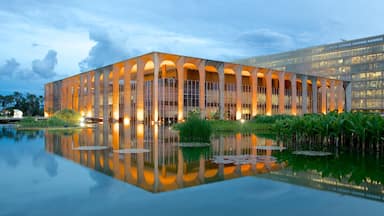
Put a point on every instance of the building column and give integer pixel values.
(140, 90)
(96, 102)
(127, 93)
(239, 91)
(81, 95)
(254, 91)
(155, 136)
(116, 93)
(348, 96)
(180, 168)
(323, 96)
(220, 70)
(89, 95)
(314, 95)
(155, 88)
(268, 95)
(180, 89)
(332, 95)
(202, 88)
(281, 93)
(304, 96)
(293, 94)
(140, 157)
(340, 102)
(105, 94)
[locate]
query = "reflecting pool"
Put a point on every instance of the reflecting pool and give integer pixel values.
(111, 169)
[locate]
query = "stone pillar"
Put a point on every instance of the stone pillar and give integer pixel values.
(340, 101)
(140, 90)
(116, 93)
(89, 95)
(105, 94)
(156, 158)
(180, 89)
(281, 93)
(293, 94)
(268, 95)
(314, 95)
(323, 96)
(75, 94)
(220, 70)
(96, 102)
(201, 169)
(254, 91)
(180, 168)
(202, 88)
(332, 100)
(304, 97)
(116, 148)
(239, 91)
(81, 94)
(140, 157)
(155, 88)
(127, 93)
(348, 96)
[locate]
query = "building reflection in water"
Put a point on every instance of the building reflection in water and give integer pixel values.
(150, 157)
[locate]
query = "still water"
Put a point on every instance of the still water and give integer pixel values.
(138, 170)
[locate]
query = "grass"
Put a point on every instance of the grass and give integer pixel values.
(62, 119)
(237, 126)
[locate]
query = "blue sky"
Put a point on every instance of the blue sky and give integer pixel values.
(46, 40)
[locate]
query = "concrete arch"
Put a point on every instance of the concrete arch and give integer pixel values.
(189, 177)
(168, 180)
(211, 173)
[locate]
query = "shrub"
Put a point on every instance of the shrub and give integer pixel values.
(195, 130)
(67, 115)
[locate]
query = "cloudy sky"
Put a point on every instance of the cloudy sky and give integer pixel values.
(46, 40)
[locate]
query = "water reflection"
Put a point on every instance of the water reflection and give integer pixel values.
(150, 158)
(345, 172)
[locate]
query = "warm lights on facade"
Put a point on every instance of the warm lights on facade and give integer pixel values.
(184, 84)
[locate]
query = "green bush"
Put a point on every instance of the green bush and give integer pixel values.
(195, 130)
(69, 116)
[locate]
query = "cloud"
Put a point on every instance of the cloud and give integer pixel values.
(10, 67)
(106, 50)
(40, 68)
(266, 40)
(45, 68)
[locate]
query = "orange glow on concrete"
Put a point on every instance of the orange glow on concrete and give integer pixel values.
(229, 170)
(140, 115)
(89, 114)
(167, 180)
(211, 173)
(260, 166)
(238, 115)
(190, 177)
(126, 121)
(245, 167)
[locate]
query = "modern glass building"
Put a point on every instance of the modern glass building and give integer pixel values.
(360, 61)
(162, 87)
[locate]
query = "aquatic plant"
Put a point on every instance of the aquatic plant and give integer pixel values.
(195, 129)
(354, 129)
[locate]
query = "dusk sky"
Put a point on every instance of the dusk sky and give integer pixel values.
(46, 40)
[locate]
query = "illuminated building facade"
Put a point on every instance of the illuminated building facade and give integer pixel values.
(165, 87)
(361, 61)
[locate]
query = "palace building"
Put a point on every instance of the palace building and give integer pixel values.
(361, 61)
(162, 87)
